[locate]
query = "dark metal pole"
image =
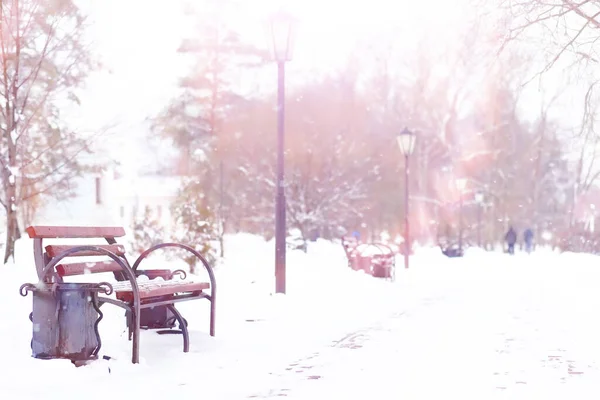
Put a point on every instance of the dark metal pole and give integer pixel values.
(280, 199)
(460, 224)
(406, 227)
(221, 214)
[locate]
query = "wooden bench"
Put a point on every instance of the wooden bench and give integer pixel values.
(450, 249)
(349, 243)
(131, 294)
(376, 259)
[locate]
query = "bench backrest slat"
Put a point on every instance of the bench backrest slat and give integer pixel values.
(87, 268)
(73, 232)
(54, 250)
(45, 252)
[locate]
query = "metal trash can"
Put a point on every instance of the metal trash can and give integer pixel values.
(364, 263)
(382, 266)
(159, 317)
(65, 319)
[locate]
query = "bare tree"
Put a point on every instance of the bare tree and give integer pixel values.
(571, 26)
(586, 142)
(541, 146)
(42, 59)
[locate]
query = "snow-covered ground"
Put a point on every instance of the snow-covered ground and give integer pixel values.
(492, 327)
(485, 326)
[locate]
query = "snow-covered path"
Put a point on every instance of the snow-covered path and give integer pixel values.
(482, 327)
(519, 331)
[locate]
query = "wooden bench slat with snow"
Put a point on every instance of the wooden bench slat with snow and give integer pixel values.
(53, 251)
(157, 288)
(132, 293)
(52, 232)
(82, 268)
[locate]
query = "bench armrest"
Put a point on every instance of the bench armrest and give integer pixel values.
(383, 248)
(209, 270)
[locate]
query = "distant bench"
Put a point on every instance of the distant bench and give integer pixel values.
(451, 250)
(134, 295)
(376, 259)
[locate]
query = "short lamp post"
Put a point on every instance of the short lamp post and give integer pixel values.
(461, 183)
(406, 141)
(281, 30)
(479, 201)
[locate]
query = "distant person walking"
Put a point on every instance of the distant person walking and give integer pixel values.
(511, 239)
(528, 237)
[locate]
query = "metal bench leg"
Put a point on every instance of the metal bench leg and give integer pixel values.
(212, 316)
(129, 322)
(130, 328)
(183, 326)
(136, 337)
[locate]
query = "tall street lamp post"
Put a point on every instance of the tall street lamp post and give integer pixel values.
(281, 29)
(406, 141)
(479, 201)
(460, 185)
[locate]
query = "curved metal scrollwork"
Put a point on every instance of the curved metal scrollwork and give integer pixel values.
(53, 287)
(26, 288)
(100, 316)
(106, 288)
(179, 272)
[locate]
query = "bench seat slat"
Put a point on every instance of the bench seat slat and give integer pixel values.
(157, 288)
(54, 250)
(72, 232)
(87, 268)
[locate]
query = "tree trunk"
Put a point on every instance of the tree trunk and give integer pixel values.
(12, 223)
(221, 212)
(10, 180)
(221, 237)
(12, 234)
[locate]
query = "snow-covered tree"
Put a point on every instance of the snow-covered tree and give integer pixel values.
(147, 231)
(197, 119)
(195, 223)
(329, 157)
